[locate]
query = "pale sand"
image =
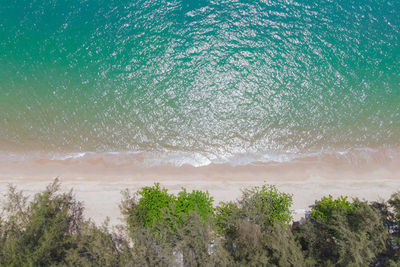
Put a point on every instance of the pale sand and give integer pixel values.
(99, 184)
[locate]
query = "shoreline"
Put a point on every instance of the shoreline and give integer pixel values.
(101, 199)
(98, 184)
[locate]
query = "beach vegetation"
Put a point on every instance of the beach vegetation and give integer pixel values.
(163, 229)
(154, 204)
(328, 206)
(390, 217)
(197, 201)
(50, 230)
(146, 206)
(340, 233)
(256, 228)
(266, 205)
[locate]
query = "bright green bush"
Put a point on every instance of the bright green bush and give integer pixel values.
(180, 225)
(198, 201)
(150, 204)
(263, 206)
(325, 208)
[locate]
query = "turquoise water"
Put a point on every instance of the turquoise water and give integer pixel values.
(220, 79)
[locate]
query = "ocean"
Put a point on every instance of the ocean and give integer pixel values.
(200, 82)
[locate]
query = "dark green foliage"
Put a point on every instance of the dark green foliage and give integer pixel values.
(41, 233)
(147, 249)
(342, 234)
(257, 231)
(266, 205)
(95, 246)
(225, 216)
(192, 243)
(252, 245)
(393, 219)
(390, 216)
(199, 245)
(180, 225)
(50, 231)
(185, 230)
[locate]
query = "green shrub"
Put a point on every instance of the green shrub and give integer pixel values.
(256, 229)
(325, 208)
(265, 205)
(147, 249)
(185, 230)
(198, 201)
(154, 202)
(181, 226)
(390, 216)
(341, 233)
(226, 215)
(50, 231)
(41, 233)
(199, 245)
(95, 246)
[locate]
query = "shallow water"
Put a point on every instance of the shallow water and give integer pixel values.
(199, 82)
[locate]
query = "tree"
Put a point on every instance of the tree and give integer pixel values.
(145, 210)
(265, 205)
(50, 230)
(256, 228)
(40, 233)
(342, 233)
(197, 201)
(390, 216)
(163, 226)
(95, 246)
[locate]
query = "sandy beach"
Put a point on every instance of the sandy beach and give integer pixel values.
(98, 183)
